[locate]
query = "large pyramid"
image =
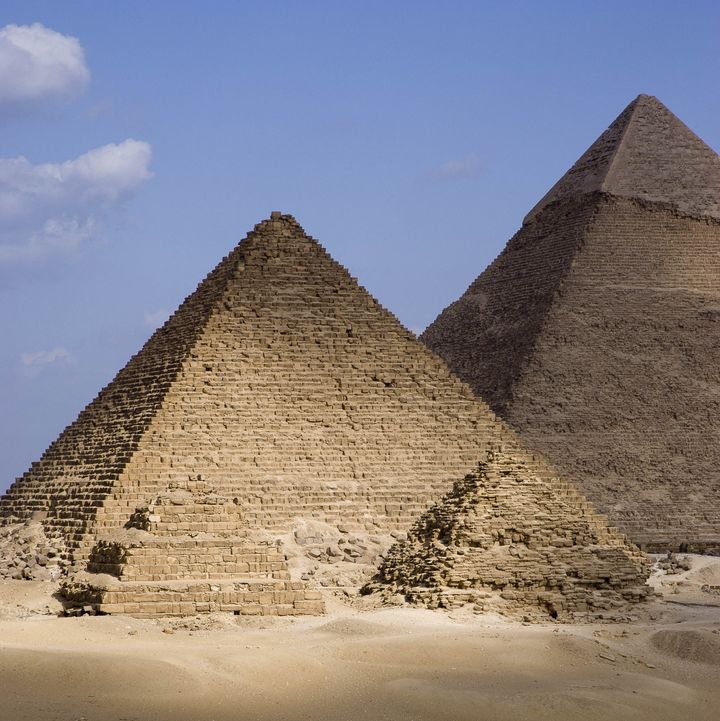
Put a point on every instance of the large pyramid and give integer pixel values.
(279, 393)
(596, 332)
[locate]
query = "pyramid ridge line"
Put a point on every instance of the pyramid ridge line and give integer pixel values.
(632, 108)
(578, 172)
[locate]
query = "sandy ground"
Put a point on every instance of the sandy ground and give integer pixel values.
(399, 664)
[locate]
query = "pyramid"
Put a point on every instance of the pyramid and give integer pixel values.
(595, 332)
(503, 540)
(280, 396)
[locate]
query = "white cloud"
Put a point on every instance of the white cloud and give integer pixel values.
(155, 318)
(465, 167)
(54, 208)
(43, 358)
(37, 63)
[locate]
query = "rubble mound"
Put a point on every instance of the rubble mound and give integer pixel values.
(26, 553)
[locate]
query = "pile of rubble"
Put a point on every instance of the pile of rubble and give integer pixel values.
(26, 553)
(672, 563)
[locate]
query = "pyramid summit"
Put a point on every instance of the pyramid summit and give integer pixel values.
(595, 332)
(647, 153)
(280, 414)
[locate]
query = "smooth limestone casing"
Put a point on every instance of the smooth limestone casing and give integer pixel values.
(647, 153)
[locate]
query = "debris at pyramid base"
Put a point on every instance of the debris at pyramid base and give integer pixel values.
(27, 553)
(183, 554)
(507, 541)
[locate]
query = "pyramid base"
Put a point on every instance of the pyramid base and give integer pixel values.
(532, 604)
(703, 546)
(142, 599)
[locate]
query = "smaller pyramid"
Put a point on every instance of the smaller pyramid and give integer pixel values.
(649, 154)
(507, 540)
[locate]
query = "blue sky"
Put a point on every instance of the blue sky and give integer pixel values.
(410, 138)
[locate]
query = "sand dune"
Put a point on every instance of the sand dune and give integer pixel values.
(689, 645)
(397, 664)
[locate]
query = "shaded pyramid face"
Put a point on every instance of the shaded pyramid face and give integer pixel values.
(280, 393)
(506, 540)
(595, 332)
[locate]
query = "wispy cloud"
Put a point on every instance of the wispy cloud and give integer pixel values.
(38, 64)
(42, 358)
(465, 167)
(104, 107)
(155, 318)
(54, 208)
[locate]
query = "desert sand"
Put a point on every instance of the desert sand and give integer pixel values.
(387, 663)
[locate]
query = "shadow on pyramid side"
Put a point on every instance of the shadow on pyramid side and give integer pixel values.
(595, 332)
(505, 540)
(276, 434)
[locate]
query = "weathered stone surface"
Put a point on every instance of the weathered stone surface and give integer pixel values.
(595, 332)
(505, 539)
(646, 154)
(26, 553)
(280, 397)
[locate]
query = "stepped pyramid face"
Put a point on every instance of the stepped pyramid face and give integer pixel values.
(596, 331)
(507, 540)
(279, 393)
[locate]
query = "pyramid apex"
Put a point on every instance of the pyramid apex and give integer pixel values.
(644, 100)
(279, 221)
(647, 153)
(279, 215)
